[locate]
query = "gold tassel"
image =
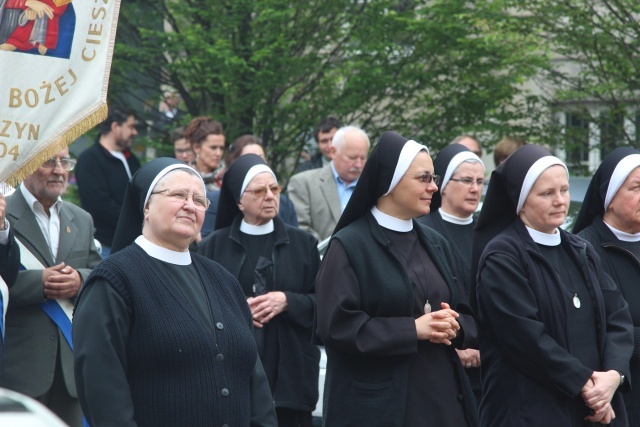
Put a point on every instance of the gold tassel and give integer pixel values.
(59, 144)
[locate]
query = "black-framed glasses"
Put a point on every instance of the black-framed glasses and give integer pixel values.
(262, 191)
(182, 195)
(469, 181)
(66, 164)
(427, 177)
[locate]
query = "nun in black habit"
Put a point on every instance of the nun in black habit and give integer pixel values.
(610, 220)
(276, 265)
(451, 215)
(390, 310)
(556, 333)
(163, 336)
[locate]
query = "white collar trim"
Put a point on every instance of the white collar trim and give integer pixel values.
(163, 254)
(391, 222)
(621, 235)
(454, 219)
(256, 230)
(545, 239)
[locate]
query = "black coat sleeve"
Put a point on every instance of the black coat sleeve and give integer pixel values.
(263, 413)
(101, 325)
(619, 340)
(9, 261)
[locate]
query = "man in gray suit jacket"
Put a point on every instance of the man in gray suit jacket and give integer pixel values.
(320, 195)
(58, 250)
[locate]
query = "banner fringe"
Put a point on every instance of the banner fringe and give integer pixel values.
(61, 143)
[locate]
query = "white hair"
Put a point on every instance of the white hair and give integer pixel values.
(340, 137)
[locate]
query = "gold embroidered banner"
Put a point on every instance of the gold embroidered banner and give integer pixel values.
(55, 59)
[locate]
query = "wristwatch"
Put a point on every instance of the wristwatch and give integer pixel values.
(621, 378)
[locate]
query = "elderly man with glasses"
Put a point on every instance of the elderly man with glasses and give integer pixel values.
(57, 253)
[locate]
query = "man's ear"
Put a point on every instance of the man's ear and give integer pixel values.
(332, 151)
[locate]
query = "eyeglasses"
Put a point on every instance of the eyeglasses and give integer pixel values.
(469, 181)
(427, 178)
(181, 195)
(262, 191)
(66, 164)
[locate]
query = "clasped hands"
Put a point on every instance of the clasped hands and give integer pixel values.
(439, 327)
(60, 281)
(597, 394)
(267, 306)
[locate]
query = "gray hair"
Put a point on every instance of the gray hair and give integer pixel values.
(459, 138)
(340, 137)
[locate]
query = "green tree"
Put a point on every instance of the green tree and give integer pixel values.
(594, 70)
(429, 70)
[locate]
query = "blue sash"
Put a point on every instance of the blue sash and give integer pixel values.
(52, 309)
(58, 310)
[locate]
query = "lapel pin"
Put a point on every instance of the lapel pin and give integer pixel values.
(68, 229)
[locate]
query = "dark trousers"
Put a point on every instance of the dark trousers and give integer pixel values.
(58, 400)
(293, 418)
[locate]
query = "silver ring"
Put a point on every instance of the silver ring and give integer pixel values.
(468, 365)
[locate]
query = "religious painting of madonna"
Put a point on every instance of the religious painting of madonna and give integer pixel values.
(40, 27)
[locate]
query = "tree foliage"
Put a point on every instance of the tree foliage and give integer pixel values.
(595, 61)
(427, 69)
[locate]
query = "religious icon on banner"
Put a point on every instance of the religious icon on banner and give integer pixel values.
(42, 27)
(55, 58)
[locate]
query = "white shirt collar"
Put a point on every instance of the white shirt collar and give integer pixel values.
(454, 219)
(163, 254)
(120, 156)
(621, 235)
(391, 222)
(256, 230)
(31, 200)
(545, 239)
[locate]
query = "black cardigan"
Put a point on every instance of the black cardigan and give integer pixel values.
(529, 375)
(296, 262)
(142, 355)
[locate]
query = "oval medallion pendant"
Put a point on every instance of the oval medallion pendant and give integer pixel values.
(576, 301)
(427, 307)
